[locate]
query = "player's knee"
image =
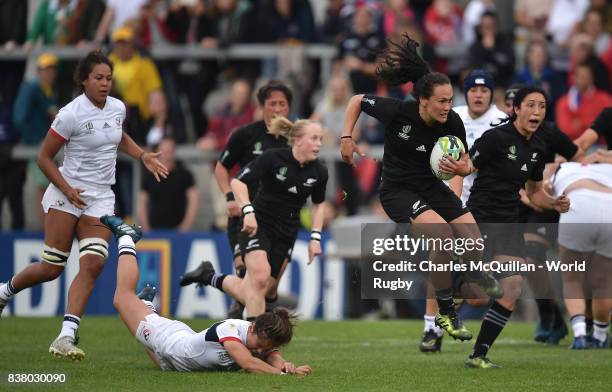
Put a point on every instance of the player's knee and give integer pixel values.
(513, 287)
(96, 247)
(536, 251)
(259, 279)
(91, 265)
(54, 257)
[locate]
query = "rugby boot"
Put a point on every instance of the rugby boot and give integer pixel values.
(431, 342)
(480, 363)
(65, 347)
(452, 324)
(580, 343)
(200, 275)
(486, 281)
(119, 228)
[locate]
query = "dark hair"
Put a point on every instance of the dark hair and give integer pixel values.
(401, 63)
(520, 96)
(276, 326)
(86, 65)
(273, 85)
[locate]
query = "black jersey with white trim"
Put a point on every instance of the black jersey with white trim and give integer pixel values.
(603, 125)
(505, 160)
(408, 140)
(284, 185)
(247, 143)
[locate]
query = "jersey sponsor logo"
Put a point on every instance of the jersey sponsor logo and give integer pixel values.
(512, 152)
(371, 101)
(282, 173)
(59, 203)
(106, 125)
(253, 243)
(404, 133)
(534, 157)
(118, 121)
(417, 206)
(476, 154)
(293, 189)
(310, 182)
(146, 333)
(421, 148)
(524, 167)
(257, 149)
(224, 357)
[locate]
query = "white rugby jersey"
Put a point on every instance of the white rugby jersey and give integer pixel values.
(204, 350)
(474, 128)
(570, 172)
(92, 136)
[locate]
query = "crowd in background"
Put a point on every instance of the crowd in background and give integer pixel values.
(564, 46)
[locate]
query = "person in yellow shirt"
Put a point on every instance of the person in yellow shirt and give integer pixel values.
(136, 77)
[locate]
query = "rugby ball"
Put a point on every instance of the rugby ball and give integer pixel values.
(450, 146)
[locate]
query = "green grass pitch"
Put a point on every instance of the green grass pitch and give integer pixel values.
(345, 356)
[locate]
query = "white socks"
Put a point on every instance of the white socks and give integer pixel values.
(430, 324)
(70, 325)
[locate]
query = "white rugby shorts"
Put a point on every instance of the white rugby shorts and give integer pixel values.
(587, 226)
(100, 201)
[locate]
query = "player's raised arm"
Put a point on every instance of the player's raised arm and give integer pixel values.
(348, 146)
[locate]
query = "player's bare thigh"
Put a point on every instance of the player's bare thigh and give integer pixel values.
(59, 229)
(90, 227)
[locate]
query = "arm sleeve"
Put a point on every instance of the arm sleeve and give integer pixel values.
(64, 125)
(482, 150)
(538, 171)
(227, 330)
(318, 193)
(563, 145)
(603, 123)
(253, 172)
(234, 149)
(381, 108)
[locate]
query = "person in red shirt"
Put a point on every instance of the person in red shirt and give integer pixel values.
(576, 110)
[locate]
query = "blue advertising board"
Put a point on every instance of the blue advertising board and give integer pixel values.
(163, 257)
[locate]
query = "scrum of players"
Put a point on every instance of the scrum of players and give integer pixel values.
(546, 178)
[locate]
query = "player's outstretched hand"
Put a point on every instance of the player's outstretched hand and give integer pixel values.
(314, 250)
(348, 147)
(74, 195)
(249, 225)
(152, 163)
(562, 204)
(461, 167)
(233, 209)
(303, 370)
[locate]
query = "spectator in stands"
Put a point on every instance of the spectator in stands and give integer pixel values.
(136, 77)
(537, 71)
(471, 18)
(336, 23)
(580, 106)
(563, 17)
(358, 51)
(225, 24)
(51, 23)
(156, 25)
(289, 21)
(35, 108)
(593, 26)
(582, 51)
(604, 7)
(396, 12)
(236, 112)
(160, 124)
(119, 13)
(442, 26)
(84, 22)
(492, 51)
(533, 15)
(172, 203)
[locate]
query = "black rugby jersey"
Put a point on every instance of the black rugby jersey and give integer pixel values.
(284, 184)
(505, 160)
(556, 142)
(603, 125)
(248, 143)
(408, 140)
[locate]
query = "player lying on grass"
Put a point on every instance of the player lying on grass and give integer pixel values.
(228, 345)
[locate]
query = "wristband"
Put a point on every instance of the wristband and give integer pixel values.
(229, 196)
(315, 235)
(345, 137)
(247, 209)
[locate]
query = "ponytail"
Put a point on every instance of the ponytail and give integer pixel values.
(291, 130)
(401, 63)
